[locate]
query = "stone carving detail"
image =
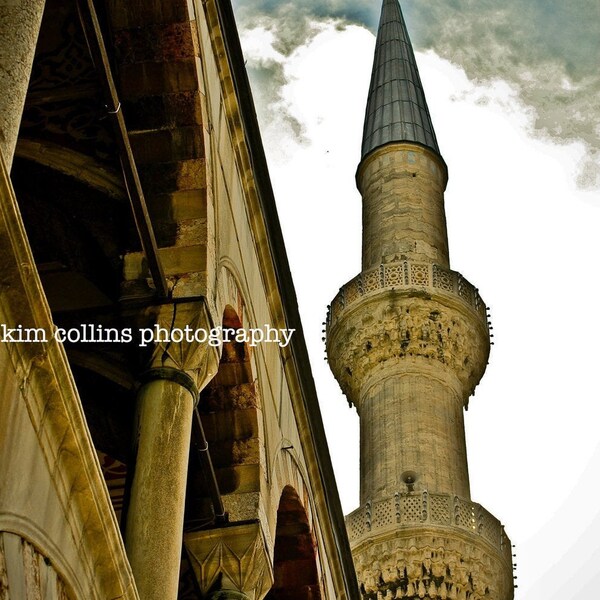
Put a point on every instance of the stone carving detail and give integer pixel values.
(464, 514)
(233, 558)
(419, 274)
(396, 327)
(198, 359)
(406, 274)
(394, 274)
(443, 279)
(410, 509)
(439, 508)
(370, 281)
(62, 60)
(431, 565)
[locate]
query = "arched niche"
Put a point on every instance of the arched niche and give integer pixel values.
(295, 561)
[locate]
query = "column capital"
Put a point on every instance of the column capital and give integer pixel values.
(184, 340)
(238, 556)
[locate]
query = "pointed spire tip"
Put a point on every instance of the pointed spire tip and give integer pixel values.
(396, 107)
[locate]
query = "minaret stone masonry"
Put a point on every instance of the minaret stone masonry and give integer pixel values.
(408, 341)
(402, 186)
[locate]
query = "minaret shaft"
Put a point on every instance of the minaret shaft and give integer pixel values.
(412, 435)
(402, 186)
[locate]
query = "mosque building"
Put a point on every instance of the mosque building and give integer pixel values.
(161, 436)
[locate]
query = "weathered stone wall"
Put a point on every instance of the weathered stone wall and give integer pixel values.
(182, 111)
(278, 453)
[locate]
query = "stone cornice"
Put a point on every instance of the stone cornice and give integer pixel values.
(430, 545)
(378, 518)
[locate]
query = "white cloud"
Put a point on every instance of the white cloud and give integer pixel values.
(547, 50)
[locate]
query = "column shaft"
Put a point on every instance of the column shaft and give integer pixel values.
(19, 26)
(155, 517)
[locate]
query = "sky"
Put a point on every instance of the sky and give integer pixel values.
(514, 93)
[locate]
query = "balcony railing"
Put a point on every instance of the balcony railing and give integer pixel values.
(406, 275)
(426, 509)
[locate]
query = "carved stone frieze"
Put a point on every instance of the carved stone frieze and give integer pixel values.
(24, 569)
(395, 322)
(407, 275)
(427, 562)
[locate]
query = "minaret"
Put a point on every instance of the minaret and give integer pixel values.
(408, 341)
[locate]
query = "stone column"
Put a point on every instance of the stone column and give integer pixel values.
(155, 516)
(408, 359)
(20, 25)
(165, 406)
(412, 434)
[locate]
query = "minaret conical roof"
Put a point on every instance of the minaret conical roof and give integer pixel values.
(396, 108)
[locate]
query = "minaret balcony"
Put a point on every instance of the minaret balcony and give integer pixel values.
(439, 544)
(405, 313)
(424, 508)
(406, 275)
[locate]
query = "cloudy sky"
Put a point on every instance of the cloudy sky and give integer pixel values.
(514, 92)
